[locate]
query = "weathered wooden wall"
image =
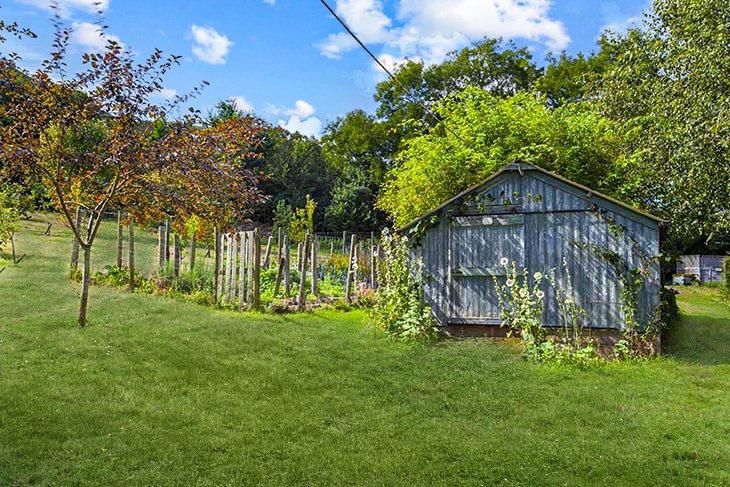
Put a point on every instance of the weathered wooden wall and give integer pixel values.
(538, 219)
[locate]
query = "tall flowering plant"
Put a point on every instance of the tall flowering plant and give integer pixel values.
(521, 302)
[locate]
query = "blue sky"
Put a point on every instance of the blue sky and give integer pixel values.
(288, 59)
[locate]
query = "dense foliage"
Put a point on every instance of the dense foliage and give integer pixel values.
(479, 133)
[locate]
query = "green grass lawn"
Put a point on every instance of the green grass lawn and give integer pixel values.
(160, 392)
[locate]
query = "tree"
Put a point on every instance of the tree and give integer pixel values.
(569, 79)
(668, 84)
(9, 217)
(87, 135)
(502, 69)
(359, 148)
(479, 133)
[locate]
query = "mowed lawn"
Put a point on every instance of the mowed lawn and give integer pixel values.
(162, 392)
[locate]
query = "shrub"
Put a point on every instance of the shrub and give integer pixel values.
(726, 273)
(668, 310)
(399, 309)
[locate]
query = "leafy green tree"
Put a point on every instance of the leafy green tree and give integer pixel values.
(668, 84)
(568, 79)
(502, 69)
(486, 132)
(9, 217)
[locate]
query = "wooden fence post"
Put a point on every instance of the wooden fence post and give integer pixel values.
(332, 248)
(242, 272)
(75, 244)
(193, 248)
(344, 243)
(302, 298)
(267, 254)
(167, 239)
(287, 270)
(120, 240)
(161, 238)
(131, 253)
(232, 288)
(279, 268)
(176, 255)
(256, 274)
(246, 255)
(299, 257)
(229, 269)
(373, 277)
(217, 265)
(315, 275)
(350, 269)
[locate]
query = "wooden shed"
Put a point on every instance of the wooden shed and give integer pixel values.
(707, 268)
(540, 221)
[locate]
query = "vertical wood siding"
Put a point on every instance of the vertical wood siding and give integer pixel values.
(556, 216)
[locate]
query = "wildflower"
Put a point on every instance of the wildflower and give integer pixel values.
(510, 283)
(540, 294)
(537, 276)
(504, 261)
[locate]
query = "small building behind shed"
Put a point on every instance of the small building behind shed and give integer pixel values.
(539, 221)
(707, 268)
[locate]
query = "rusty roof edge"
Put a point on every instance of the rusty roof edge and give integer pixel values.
(519, 167)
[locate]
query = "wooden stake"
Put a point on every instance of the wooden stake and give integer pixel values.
(193, 248)
(302, 298)
(287, 270)
(267, 255)
(256, 277)
(314, 245)
(176, 255)
(350, 269)
(120, 239)
(161, 238)
(373, 278)
(279, 267)
(344, 243)
(232, 288)
(167, 239)
(242, 272)
(217, 265)
(130, 259)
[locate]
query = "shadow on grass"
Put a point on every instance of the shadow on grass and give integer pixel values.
(702, 335)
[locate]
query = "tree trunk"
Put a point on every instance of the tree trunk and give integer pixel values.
(75, 245)
(12, 247)
(176, 255)
(120, 239)
(131, 254)
(85, 281)
(315, 259)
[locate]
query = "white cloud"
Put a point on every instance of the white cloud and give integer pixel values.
(210, 46)
(167, 93)
(66, 7)
(91, 36)
(366, 18)
(310, 127)
(242, 104)
(429, 29)
(301, 109)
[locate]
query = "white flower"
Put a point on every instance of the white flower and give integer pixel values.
(504, 261)
(540, 294)
(537, 276)
(510, 283)
(568, 301)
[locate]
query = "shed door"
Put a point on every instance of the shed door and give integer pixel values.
(478, 243)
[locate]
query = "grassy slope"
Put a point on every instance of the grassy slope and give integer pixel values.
(163, 392)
